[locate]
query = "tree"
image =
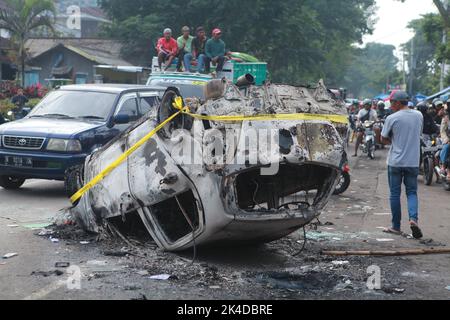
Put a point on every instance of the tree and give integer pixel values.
(21, 18)
(425, 63)
(373, 68)
(302, 40)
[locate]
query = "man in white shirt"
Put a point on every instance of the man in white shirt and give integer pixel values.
(365, 114)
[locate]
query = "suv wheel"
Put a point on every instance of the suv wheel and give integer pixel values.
(11, 183)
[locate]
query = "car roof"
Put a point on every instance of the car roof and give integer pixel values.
(181, 76)
(111, 88)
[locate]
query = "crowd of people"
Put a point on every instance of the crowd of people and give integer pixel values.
(404, 125)
(199, 51)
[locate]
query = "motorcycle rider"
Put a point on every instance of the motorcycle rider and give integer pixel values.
(445, 137)
(382, 112)
(365, 114)
(437, 111)
(429, 125)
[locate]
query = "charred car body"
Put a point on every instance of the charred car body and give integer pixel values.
(202, 181)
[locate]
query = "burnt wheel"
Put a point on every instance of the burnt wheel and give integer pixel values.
(74, 181)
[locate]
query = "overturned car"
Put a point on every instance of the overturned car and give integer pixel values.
(251, 164)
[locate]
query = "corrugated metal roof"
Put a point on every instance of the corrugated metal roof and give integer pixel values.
(100, 51)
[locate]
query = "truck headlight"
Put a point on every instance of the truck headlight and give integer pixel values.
(64, 145)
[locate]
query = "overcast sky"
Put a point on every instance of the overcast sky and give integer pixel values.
(393, 18)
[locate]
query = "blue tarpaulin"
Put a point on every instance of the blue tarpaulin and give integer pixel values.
(445, 93)
(382, 96)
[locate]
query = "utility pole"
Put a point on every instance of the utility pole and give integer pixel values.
(411, 69)
(444, 42)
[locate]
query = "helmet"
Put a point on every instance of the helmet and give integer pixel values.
(367, 102)
(381, 104)
(422, 107)
(438, 103)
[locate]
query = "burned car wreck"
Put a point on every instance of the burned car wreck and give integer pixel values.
(202, 181)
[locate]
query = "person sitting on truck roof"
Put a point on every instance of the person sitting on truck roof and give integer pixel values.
(198, 49)
(184, 43)
(215, 51)
(167, 49)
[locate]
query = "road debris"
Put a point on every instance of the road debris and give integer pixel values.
(385, 240)
(10, 255)
(340, 263)
(62, 264)
(37, 226)
(45, 233)
(387, 252)
(163, 277)
(47, 273)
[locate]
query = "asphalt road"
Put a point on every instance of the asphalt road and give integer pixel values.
(356, 219)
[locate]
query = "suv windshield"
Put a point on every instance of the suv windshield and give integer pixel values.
(75, 104)
(188, 88)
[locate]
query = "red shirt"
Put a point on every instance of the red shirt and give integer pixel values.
(170, 46)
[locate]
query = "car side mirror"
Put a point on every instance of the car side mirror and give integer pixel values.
(121, 118)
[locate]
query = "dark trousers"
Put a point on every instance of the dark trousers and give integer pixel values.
(220, 63)
(180, 56)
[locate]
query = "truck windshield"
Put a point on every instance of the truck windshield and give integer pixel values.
(188, 89)
(75, 104)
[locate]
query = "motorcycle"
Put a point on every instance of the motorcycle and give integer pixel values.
(18, 113)
(344, 181)
(369, 143)
(429, 165)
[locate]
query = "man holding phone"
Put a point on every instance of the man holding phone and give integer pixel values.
(403, 131)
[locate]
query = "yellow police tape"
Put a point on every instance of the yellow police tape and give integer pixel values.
(178, 104)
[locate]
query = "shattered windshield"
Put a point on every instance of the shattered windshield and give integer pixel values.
(75, 105)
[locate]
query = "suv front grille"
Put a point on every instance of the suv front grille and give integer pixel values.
(30, 143)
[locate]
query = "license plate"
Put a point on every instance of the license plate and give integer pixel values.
(19, 162)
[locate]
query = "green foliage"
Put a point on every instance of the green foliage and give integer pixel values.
(302, 40)
(21, 18)
(429, 52)
(372, 68)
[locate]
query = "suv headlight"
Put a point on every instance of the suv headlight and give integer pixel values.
(64, 145)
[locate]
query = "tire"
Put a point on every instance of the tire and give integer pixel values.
(344, 183)
(447, 186)
(428, 171)
(11, 183)
(73, 181)
(370, 150)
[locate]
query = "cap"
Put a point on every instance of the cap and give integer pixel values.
(400, 96)
(167, 30)
(216, 31)
(200, 29)
(438, 103)
(185, 29)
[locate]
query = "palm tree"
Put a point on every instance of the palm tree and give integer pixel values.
(21, 17)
